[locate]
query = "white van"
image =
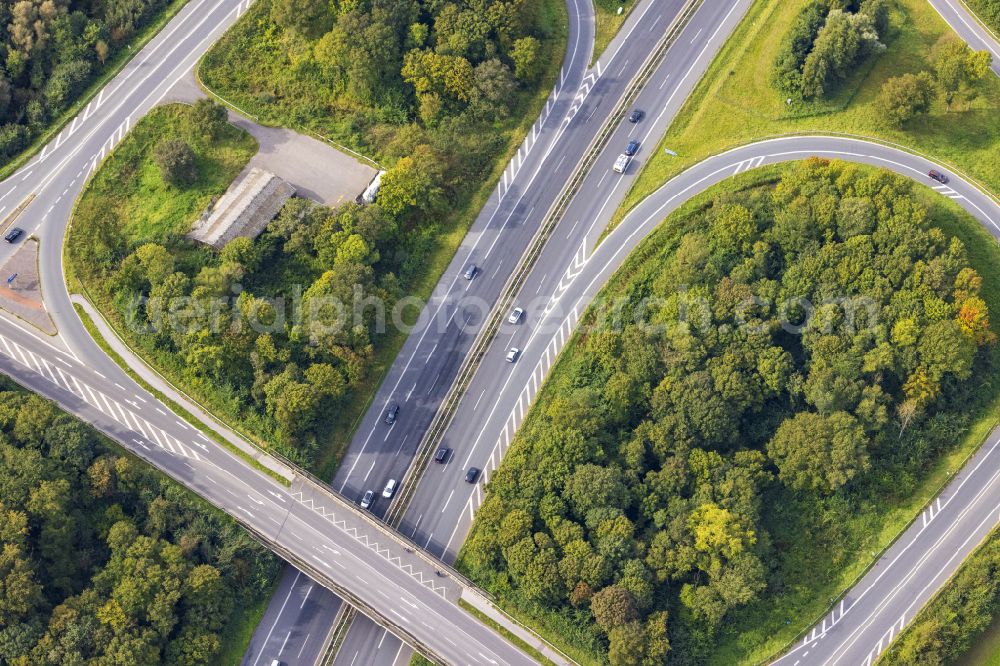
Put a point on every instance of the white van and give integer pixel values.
(622, 163)
(390, 488)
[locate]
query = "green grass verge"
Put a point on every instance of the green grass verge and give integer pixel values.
(128, 185)
(987, 651)
(607, 22)
(235, 636)
(506, 633)
(420, 660)
(112, 67)
(88, 323)
(735, 104)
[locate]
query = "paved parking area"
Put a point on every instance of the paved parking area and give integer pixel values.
(317, 170)
(22, 295)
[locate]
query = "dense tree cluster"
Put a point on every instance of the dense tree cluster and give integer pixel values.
(263, 318)
(957, 72)
(951, 624)
(104, 561)
(427, 88)
(826, 42)
(796, 338)
(450, 55)
(50, 50)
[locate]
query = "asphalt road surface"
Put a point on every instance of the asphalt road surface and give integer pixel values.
(313, 605)
(440, 513)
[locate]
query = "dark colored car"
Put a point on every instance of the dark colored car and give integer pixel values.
(632, 148)
(366, 501)
(13, 234)
(635, 116)
(391, 413)
(472, 475)
(937, 175)
(441, 455)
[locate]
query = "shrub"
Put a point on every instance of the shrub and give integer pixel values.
(824, 45)
(207, 118)
(176, 161)
(904, 97)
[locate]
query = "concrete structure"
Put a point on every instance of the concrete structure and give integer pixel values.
(246, 208)
(368, 196)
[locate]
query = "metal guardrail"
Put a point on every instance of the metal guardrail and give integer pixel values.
(442, 419)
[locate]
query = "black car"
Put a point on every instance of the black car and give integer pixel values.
(635, 116)
(13, 234)
(632, 147)
(441, 456)
(938, 176)
(390, 414)
(472, 475)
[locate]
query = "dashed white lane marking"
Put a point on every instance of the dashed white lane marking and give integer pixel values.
(447, 501)
(477, 401)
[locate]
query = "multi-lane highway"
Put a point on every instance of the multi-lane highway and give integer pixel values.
(303, 521)
(334, 542)
(425, 369)
(430, 358)
(443, 505)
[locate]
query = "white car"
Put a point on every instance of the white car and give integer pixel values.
(513, 354)
(622, 163)
(515, 316)
(390, 489)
